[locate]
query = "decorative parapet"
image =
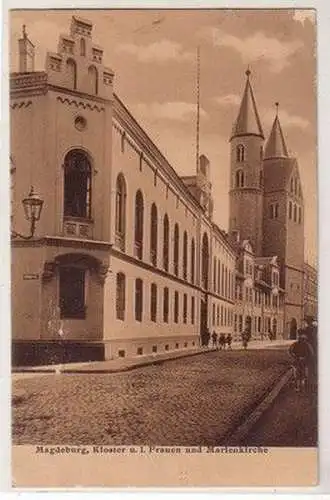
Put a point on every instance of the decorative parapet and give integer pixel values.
(27, 80)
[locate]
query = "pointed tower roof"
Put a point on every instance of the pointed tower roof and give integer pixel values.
(276, 147)
(247, 121)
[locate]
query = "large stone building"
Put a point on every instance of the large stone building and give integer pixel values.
(126, 258)
(267, 206)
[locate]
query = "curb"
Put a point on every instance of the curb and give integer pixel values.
(244, 429)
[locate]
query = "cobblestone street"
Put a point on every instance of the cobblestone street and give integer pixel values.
(196, 400)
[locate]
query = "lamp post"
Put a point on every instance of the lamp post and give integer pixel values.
(32, 205)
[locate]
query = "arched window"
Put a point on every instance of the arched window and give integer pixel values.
(295, 212)
(165, 305)
(222, 279)
(138, 230)
(71, 69)
(120, 211)
(239, 178)
(120, 296)
(192, 261)
(166, 238)
(205, 261)
(240, 153)
(153, 235)
(185, 254)
(176, 250)
(93, 79)
(219, 271)
(138, 299)
(290, 209)
(153, 302)
(226, 281)
(300, 215)
(176, 307)
(295, 185)
(185, 307)
(77, 184)
(82, 47)
(214, 274)
(192, 310)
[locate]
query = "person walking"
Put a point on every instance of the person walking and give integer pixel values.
(222, 341)
(245, 339)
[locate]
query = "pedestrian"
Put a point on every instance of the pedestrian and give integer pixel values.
(245, 339)
(229, 340)
(302, 353)
(214, 339)
(222, 341)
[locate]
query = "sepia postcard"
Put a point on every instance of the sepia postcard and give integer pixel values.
(164, 276)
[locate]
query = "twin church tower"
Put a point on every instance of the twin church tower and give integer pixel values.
(266, 199)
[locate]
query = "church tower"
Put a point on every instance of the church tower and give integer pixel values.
(246, 184)
(283, 222)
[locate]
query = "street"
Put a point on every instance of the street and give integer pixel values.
(195, 400)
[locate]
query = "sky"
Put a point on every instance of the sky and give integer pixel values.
(153, 55)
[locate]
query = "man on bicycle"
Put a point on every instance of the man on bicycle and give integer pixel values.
(302, 354)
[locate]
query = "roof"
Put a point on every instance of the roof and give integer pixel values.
(247, 121)
(276, 147)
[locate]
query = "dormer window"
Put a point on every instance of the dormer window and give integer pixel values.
(240, 153)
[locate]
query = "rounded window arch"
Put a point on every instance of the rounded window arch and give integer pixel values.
(77, 184)
(240, 153)
(120, 211)
(93, 79)
(71, 69)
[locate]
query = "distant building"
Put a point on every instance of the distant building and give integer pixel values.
(266, 204)
(310, 292)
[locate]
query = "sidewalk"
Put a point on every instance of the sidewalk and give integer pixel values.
(126, 364)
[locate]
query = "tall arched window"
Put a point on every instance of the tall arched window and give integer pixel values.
(176, 307)
(120, 296)
(71, 69)
(290, 209)
(82, 47)
(205, 261)
(226, 281)
(120, 211)
(185, 254)
(222, 279)
(153, 302)
(239, 176)
(240, 153)
(295, 212)
(77, 184)
(165, 305)
(138, 299)
(153, 234)
(93, 79)
(138, 230)
(176, 250)
(166, 239)
(214, 274)
(192, 261)
(218, 284)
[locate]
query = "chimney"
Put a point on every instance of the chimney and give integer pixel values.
(26, 53)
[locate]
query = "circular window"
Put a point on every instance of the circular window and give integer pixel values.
(80, 123)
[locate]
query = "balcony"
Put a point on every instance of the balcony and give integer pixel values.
(75, 227)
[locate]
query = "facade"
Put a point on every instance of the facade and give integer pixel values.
(310, 292)
(126, 259)
(267, 207)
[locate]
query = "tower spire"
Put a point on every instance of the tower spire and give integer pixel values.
(247, 121)
(276, 147)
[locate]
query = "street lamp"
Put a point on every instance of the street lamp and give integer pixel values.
(32, 205)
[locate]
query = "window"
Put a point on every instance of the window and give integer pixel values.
(71, 69)
(222, 279)
(93, 79)
(214, 274)
(218, 315)
(153, 235)
(291, 185)
(77, 185)
(120, 211)
(165, 305)
(166, 238)
(120, 296)
(259, 324)
(240, 153)
(205, 261)
(82, 47)
(72, 292)
(218, 284)
(185, 307)
(176, 307)
(213, 314)
(138, 230)
(299, 215)
(295, 212)
(239, 178)
(192, 261)
(138, 299)
(240, 323)
(273, 210)
(295, 186)
(153, 302)
(176, 250)
(192, 310)
(235, 323)
(185, 254)
(290, 209)
(221, 316)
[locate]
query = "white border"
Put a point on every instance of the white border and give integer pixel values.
(323, 54)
